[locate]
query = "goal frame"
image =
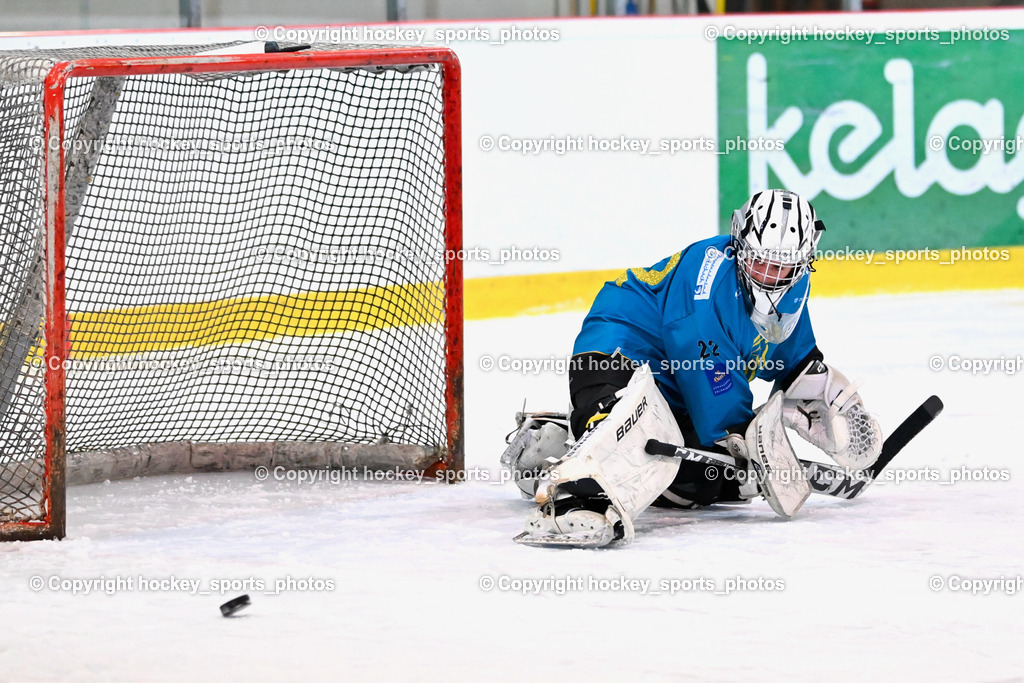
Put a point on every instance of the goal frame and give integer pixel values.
(53, 525)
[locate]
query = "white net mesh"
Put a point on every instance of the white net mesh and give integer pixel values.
(253, 257)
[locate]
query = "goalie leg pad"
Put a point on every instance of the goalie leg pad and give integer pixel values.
(613, 455)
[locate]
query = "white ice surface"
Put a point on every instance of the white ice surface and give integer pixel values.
(407, 560)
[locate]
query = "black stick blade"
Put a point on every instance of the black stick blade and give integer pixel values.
(908, 429)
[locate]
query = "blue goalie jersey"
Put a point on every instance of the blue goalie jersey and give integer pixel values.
(687, 318)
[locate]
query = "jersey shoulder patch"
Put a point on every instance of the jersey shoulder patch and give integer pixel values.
(713, 259)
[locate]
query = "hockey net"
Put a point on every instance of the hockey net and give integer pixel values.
(213, 262)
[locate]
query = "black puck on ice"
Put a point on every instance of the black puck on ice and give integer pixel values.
(232, 606)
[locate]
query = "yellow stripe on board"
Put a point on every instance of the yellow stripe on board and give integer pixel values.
(515, 295)
(246, 319)
(924, 270)
(927, 271)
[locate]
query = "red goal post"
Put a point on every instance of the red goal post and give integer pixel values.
(378, 315)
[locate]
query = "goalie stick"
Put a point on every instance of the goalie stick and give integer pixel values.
(830, 480)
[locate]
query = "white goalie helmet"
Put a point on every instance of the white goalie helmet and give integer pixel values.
(774, 238)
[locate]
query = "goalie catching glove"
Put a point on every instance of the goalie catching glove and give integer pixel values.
(823, 407)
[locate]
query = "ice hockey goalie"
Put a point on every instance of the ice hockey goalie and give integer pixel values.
(667, 354)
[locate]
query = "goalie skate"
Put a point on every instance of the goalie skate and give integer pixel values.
(574, 528)
(538, 443)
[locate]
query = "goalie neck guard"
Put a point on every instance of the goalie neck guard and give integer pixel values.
(774, 237)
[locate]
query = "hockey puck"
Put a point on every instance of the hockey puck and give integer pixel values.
(230, 607)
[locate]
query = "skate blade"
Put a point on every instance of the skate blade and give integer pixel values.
(564, 540)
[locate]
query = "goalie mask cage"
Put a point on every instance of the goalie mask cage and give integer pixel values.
(218, 261)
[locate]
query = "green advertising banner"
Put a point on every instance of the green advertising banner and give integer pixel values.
(900, 141)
